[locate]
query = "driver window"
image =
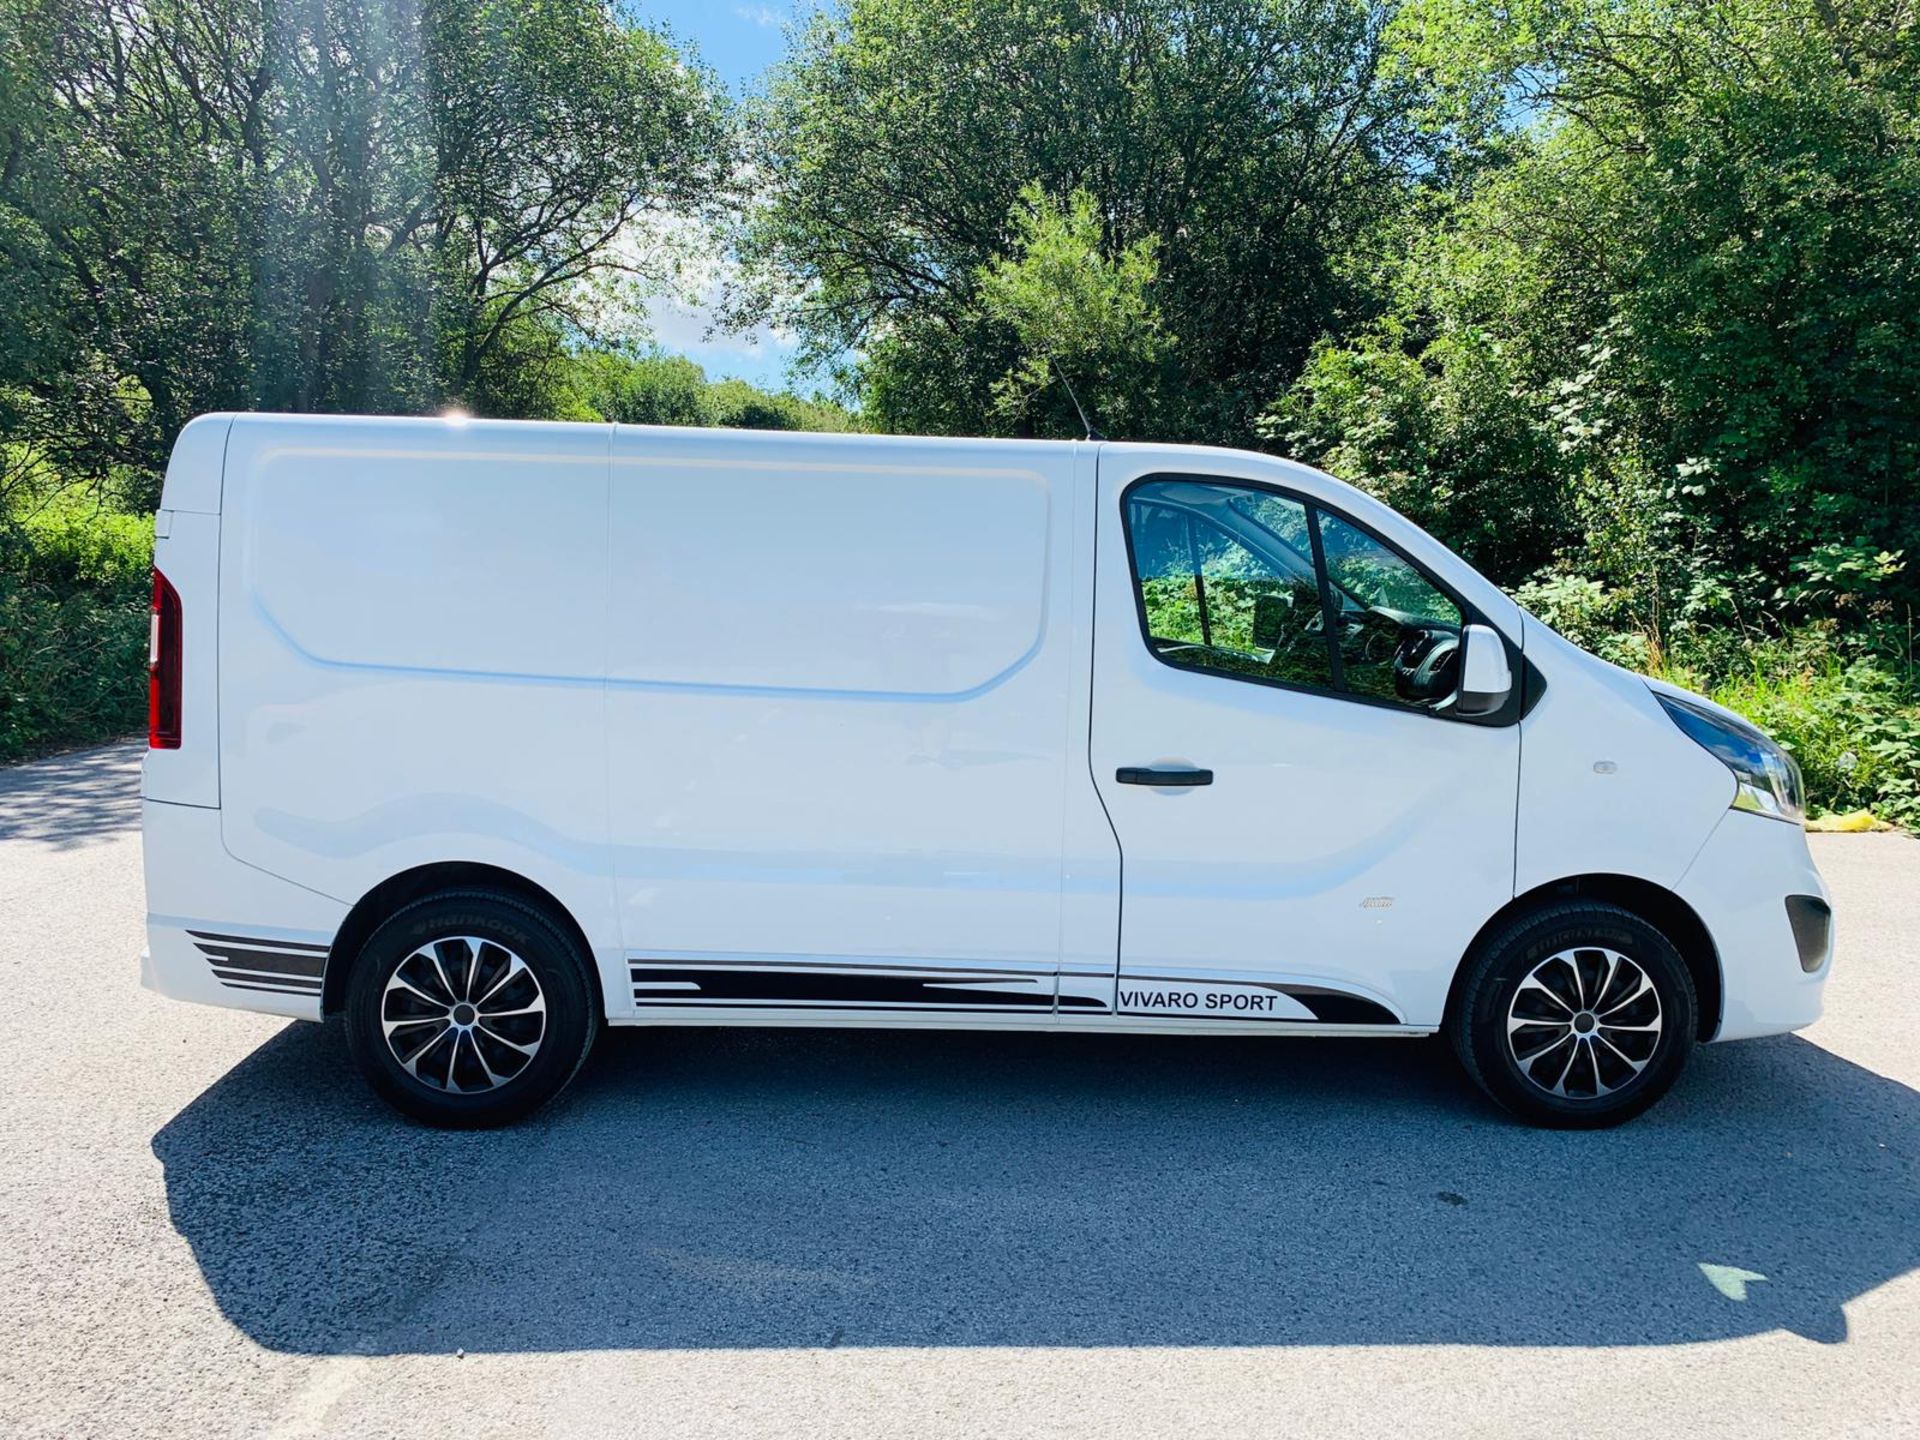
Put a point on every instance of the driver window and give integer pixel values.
(1229, 581)
(1400, 637)
(1210, 601)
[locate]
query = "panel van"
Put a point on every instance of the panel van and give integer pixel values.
(480, 736)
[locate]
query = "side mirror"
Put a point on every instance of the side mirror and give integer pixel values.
(1485, 678)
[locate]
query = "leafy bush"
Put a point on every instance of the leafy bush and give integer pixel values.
(655, 388)
(1853, 724)
(74, 667)
(74, 541)
(74, 581)
(740, 406)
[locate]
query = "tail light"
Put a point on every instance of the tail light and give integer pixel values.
(163, 667)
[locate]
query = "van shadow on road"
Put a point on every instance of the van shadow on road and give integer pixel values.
(770, 1189)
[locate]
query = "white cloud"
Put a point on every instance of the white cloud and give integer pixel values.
(684, 323)
(764, 16)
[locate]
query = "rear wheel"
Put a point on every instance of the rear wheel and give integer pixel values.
(1575, 1016)
(469, 1009)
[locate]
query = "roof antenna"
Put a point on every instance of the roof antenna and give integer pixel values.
(1081, 410)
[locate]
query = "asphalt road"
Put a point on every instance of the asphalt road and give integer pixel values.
(207, 1228)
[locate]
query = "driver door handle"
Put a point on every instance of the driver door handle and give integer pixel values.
(1146, 775)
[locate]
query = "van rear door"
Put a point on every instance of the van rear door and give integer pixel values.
(183, 764)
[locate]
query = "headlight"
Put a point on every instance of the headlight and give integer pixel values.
(1769, 780)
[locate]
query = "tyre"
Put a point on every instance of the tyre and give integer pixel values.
(470, 1009)
(1576, 1016)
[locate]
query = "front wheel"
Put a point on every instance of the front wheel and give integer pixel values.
(1576, 1016)
(469, 1009)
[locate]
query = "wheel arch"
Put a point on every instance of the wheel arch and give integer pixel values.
(1655, 904)
(396, 891)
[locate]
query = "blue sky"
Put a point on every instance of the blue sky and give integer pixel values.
(738, 39)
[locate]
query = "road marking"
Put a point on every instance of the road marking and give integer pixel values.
(1729, 1280)
(326, 1385)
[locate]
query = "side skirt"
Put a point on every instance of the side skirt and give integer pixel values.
(769, 1017)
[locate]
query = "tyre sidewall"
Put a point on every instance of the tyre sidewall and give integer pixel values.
(571, 1014)
(1513, 957)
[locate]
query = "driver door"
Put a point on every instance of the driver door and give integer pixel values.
(1308, 835)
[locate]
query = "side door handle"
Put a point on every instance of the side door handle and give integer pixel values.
(1145, 775)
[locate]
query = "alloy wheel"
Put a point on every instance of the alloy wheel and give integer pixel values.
(463, 1014)
(1584, 1023)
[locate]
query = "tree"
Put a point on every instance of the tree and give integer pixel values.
(323, 204)
(1693, 267)
(1072, 311)
(556, 128)
(1248, 143)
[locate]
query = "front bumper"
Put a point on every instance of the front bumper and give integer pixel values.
(1739, 885)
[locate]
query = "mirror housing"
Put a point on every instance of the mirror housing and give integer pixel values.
(1486, 680)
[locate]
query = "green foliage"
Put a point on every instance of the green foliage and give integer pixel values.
(233, 204)
(75, 542)
(1243, 146)
(1446, 432)
(659, 389)
(647, 389)
(72, 667)
(1852, 723)
(74, 588)
(1693, 266)
(1072, 311)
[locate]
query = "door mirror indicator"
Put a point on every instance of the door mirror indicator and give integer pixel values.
(1486, 680)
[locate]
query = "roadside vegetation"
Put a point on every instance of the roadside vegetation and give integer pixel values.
(1617, 298)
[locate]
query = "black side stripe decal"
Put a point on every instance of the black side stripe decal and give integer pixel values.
(1328, 1005)
(721, 986)
(242, 962)
(1337, 1007)
(272, 989)
(256, 940)
(763, 984)
(291, 982)
(268, 960)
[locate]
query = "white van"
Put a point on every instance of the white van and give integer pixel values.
(483, 734)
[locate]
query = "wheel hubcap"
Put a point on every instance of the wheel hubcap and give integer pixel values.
(463, 1014)
(1584, 1023)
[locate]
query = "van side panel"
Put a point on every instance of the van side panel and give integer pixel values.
(840, 697)
(412, 653)
(1604, 788)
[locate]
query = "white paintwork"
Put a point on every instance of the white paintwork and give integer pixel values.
(840, 685)
(194, 885)
(1645, 816)
(188, 554)
(848, 710)
(1319, 804)
(1766, 990)
(1485, 674)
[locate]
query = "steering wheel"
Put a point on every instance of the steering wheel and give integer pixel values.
(1426, 664)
